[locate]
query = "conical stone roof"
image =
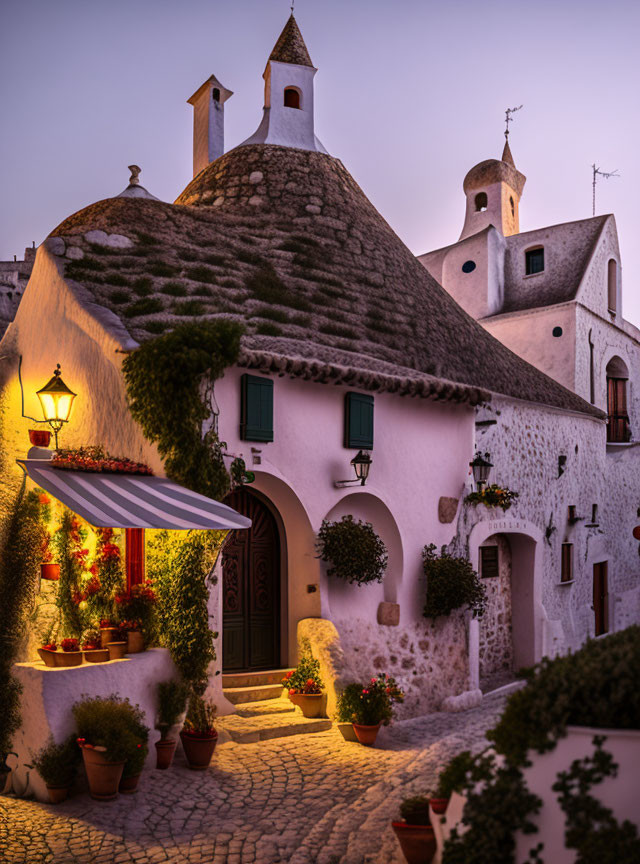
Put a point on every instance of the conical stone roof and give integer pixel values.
(285, 241)
(290, 47)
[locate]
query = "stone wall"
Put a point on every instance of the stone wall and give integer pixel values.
(496, 641)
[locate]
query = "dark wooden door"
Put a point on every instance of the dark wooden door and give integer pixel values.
(251, 589)
(600, 597)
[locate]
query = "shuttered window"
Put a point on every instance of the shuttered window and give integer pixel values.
(618, 430)
(358, 421)
(489, 562)
(566, 572)
(600, 598)
(134, 556)
(256, 408)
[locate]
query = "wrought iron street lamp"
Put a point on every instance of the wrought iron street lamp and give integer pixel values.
(481, 467)
(361, 464)
(56, 400)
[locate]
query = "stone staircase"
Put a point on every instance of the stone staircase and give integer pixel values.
(262, 711)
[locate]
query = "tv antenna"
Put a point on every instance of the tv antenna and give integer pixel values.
(509, 119)
(605, 175)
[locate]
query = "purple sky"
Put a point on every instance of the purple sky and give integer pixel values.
(409, 94)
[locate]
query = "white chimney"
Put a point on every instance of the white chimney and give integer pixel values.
(208, 122)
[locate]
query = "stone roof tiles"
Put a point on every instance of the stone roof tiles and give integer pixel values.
(285, 241)
(290, 47)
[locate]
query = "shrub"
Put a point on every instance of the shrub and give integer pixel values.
(200, 716)
(305, 678)
(112, 723)
(597, 686)
(346, 703)
(172, 701)
(155, 327)
(451, 584)
(461, 770)
(415, 811)
(135, 762)
(144, 306)
(353, 549)
(57, 764)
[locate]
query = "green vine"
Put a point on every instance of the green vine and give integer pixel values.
(169, 383)
(20, 554)
(353, 549)
(68, 541)
(179, 565)
(451, 584)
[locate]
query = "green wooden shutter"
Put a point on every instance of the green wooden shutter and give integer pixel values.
(256, 411)
(358, 421)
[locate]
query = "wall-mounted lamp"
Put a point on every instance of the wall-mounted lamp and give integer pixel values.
(361, 464)
(56, 400)
(481, 467)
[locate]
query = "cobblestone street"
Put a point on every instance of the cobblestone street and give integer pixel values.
(307, 798)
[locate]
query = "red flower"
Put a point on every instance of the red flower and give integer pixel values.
(44, 499)
(289, 674)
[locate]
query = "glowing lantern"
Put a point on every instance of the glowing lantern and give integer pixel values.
(56, 400)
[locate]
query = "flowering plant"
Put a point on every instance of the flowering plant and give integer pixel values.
(493, 496)
(200, 716)
(305, 678)
(130, 624)
(50, 646)
(136, 607)
(96, 459)
(376, 701)
(46, 555)
(70, 644)
(91, 641)
(106, 622)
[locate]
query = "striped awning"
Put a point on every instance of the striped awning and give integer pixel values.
(132, 500)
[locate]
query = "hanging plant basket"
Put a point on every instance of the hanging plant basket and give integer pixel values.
(39, 437)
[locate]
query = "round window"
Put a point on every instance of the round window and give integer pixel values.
(557, 331)
(468, 266)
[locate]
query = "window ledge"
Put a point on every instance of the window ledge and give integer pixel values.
(614, 446)
(532, 275)
(568, 582)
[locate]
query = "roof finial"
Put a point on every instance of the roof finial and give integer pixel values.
(293, 3)
(605, 175)
(135, 170)
(509, 119)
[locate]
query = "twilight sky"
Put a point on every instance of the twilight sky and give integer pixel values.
(409, 95)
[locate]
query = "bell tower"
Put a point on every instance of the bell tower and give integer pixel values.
(493, 189)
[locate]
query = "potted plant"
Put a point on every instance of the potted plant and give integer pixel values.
(133, 769)
(92, 647)
(48, 646)
(118, 648)
(414, 832)
(137, 611)
(108, 631)
(374, 707)
(305, 684)
(49, 570)
(198, 735)
(172, 702)
(135, 637)
(452, 779)
(39, 437)
(109, 732)
(345, 710)
(71, 654)
(57, 764)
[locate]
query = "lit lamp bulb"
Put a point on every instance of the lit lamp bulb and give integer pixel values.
(56, 400)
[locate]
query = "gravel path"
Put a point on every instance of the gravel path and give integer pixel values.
(306, 799)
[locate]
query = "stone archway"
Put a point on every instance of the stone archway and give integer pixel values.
(496, 665)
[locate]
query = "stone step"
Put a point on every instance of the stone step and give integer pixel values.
(249, 730)
(264, 707)
(253, 679)
(253, 694)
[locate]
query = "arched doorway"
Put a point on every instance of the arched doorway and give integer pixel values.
(251, 589)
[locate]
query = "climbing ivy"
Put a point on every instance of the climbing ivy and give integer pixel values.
(169, 383)
(353, 550)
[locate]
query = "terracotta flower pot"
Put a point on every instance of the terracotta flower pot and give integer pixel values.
(164, 752)
(438, 805)
(68, 658)
(417, 841)
(117, 650)
(103, 776)
(107, 634)
(50, 571)
(366, 734)
(347, 731)
(129, 785)
(57, 794)
(96, 655)
(39, 437)
(48, 657)
(309, 703)
(135, 642)
(198, 750)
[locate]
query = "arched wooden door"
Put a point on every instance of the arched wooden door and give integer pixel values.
(251, 589)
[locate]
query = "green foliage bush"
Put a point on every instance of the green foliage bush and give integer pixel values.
(172, 702)
(347, 702)
(200, 716)
(178, 567)
(415, 810)
(597, 686)
(353, 549)
(113, 723)
(169, 381)
(21, 542)
(454, 777)
(452, 583)
(57, 764)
